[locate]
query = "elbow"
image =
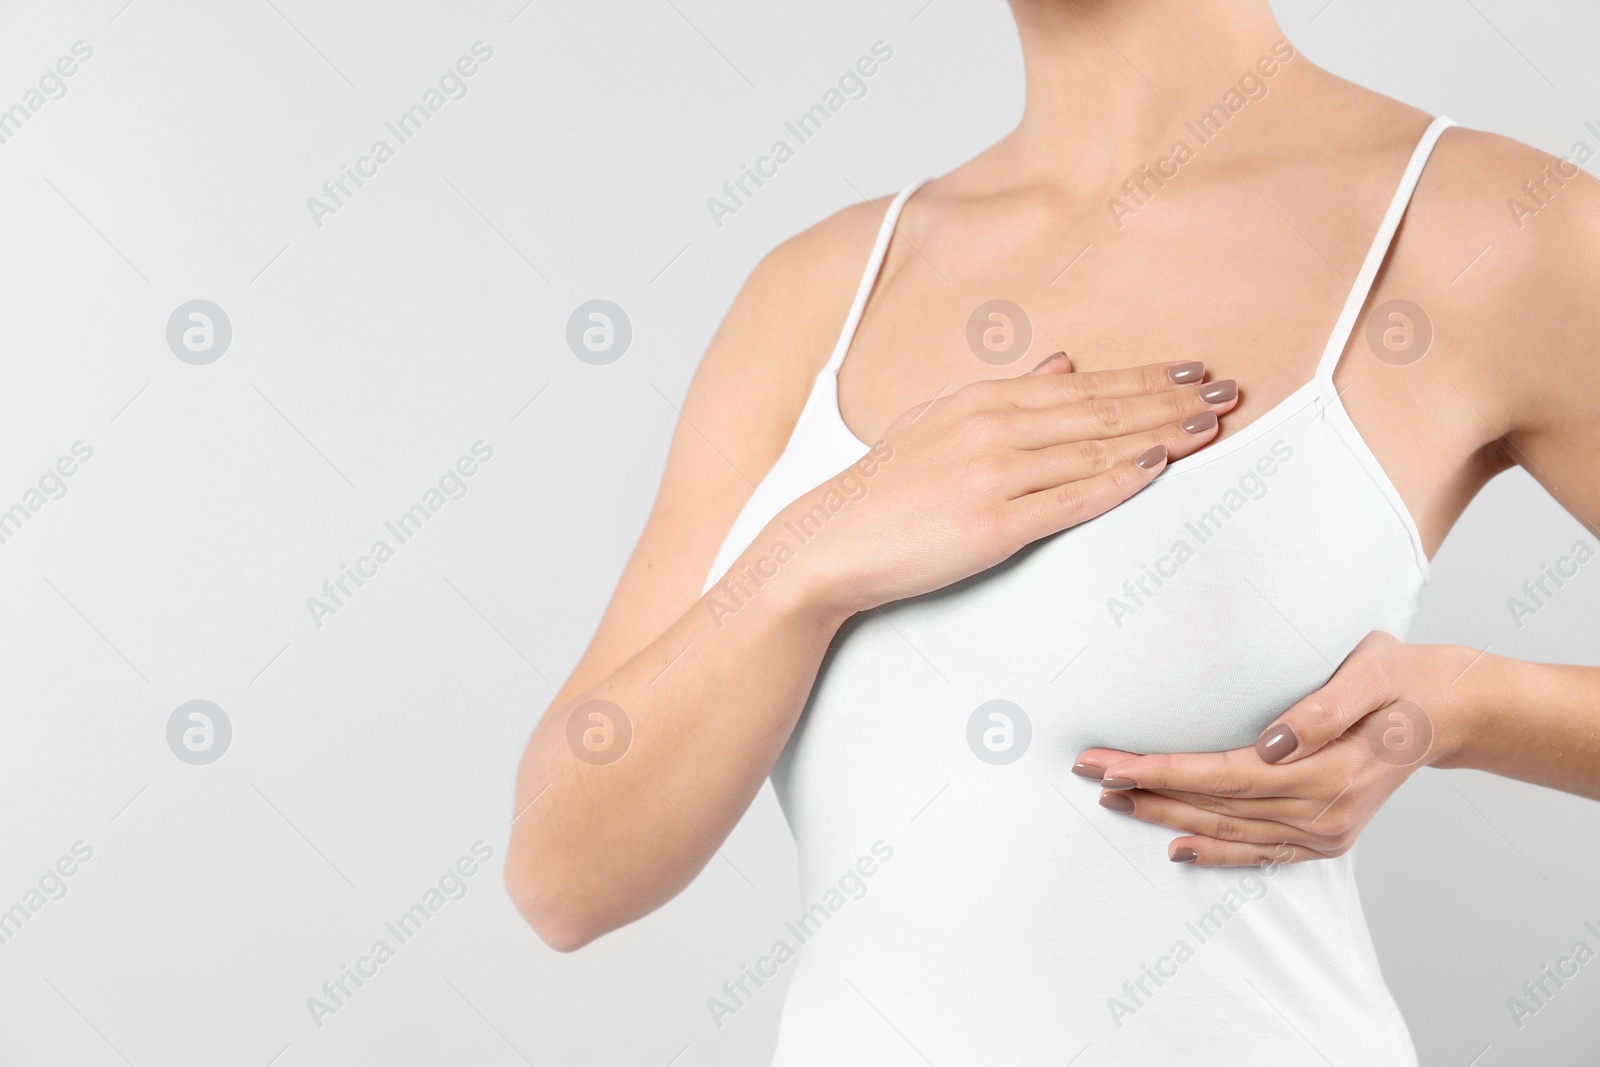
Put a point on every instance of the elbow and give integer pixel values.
(556, 921)
(561, 935)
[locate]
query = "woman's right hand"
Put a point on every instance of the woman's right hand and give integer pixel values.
(959, 484)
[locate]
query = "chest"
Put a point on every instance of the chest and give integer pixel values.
(959, 307)
(1257, 298)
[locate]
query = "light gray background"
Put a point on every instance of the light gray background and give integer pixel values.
(370, 353)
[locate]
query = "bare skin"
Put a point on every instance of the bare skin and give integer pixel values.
(1243, 261)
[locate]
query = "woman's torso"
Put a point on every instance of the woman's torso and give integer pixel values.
(994, 909)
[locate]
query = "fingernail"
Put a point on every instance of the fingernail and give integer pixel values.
(1206, 420)
(1220, 392)
(1083, 770)
(1050, 359)
(1184, 855)
(1184, 373)
(1119, 783)
(1277, 742)
(1152, 458)
(1116, 802)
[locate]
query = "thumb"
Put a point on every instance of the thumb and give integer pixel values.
(1060, 363)
(1360, 686)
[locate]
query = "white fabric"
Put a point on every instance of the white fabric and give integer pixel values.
(1013, 909)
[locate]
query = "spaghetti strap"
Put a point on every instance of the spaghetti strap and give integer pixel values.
(880, 248)
(1362, 287)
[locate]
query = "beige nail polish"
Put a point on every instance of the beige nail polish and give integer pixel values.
(1277, 742)
(1152, 458)
(1116, 802)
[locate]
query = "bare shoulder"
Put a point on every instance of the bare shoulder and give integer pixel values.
(832, 251)
(1502, 187)
(783, 324)
(1512, 255)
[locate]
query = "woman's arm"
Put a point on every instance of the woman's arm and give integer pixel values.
(1540, 722)
(1527, 365)
(660, 739)
(744, 400)
(1319, 774)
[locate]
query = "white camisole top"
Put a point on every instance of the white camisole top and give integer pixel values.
(964, 897)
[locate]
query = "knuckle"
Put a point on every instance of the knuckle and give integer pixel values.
(1081, 385)
(1226, 828)
(1337, 827)
(1171, 435)
(1327, 832)
(1223, 784)
(1124, 480)
(985, 471)
(984, 393)
(988, 428)
(1320, 715)
(1226, 779)
(1334, 825)
(1108, 415)
(1070, 498)
(1097, 454)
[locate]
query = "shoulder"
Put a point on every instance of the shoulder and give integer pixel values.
(817, 270)
(783, 324)
(1513, 249)
(1502, 188)
(807, 283)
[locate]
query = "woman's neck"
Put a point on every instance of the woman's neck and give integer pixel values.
(1112, 83)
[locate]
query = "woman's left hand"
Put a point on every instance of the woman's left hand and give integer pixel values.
(1316, 775)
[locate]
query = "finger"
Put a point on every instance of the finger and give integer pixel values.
(1323, 825)
(1237, 772)
(1092, 762)
(1047, 511)
(1209, 852)
(1050, 385)
(1059, 363)
(1040, 468)
(1292, 810)
(1165, 811)
(1102, 419)
(1361, 685)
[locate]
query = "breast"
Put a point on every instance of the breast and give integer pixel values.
(1185, 619)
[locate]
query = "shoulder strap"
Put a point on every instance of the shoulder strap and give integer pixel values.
(1362, 287)
(880, 249)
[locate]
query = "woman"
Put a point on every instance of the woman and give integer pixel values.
(939, 584)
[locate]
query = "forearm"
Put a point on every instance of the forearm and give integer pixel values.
(1537, 722)
(601, 841)
(949, 490)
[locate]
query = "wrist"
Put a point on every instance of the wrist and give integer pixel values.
(816, 592)
(1462, 681)
(789, 581)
